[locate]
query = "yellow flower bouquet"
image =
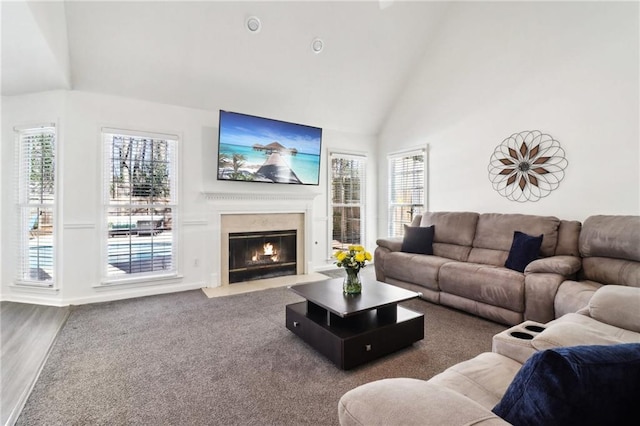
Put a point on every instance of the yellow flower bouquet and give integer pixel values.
(352, 260)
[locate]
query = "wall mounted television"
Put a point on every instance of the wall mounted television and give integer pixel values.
(257, 149)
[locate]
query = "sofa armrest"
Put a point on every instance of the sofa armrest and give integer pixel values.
(391, 243)
(566, 266)
(403, 401)
(542, 279)
(540, 291)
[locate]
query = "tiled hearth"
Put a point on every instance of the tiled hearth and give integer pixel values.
(249, 286)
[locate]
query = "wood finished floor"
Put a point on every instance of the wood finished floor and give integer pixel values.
(27, 334)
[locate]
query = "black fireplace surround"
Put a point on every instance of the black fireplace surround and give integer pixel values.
(264, 254)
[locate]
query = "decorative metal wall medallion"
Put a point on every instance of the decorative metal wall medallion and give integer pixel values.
(527, 166)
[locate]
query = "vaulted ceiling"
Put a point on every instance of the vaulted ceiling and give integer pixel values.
(201, 55)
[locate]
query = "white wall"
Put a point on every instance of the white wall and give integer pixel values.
(80, 116)
(25, 110)
(566, 69)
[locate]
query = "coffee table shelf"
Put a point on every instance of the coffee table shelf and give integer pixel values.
(352, 330)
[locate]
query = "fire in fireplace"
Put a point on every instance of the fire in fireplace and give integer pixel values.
(257, 255)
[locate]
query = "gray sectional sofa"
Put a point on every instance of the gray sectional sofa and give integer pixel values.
(580, 298)
(610, 251)
(466, 270)
(466, 393)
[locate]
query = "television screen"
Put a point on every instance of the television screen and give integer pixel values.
(264, 150)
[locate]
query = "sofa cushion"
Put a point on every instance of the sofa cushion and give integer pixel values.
(488, 256)
(568, 237)
(483, 379)
(452, 227)
(453, 233)
(495, 231)
(524, 250)
(589, 385)
(573, 334)
(493, 285)
(611, 236)
(414, 268)
(452, 251)
(418, 239)
(611, 271)
(405, 401)
(573, 296)
(581, 331)
(617, 305)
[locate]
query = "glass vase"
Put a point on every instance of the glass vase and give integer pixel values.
(352, 283)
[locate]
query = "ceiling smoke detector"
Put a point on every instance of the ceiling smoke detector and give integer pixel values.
(317, 45)
(253, 24)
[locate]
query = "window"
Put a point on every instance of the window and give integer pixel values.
(140, 204)
(406, 189)
(36, 204)
(347, 199)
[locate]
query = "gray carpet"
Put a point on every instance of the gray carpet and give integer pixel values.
(183, 358)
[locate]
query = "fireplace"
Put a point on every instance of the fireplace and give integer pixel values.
(272, 223)
(257, 255)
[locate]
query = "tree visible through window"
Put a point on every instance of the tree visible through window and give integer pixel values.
(347, 200)
(406, 189)
(140, 204)
(36, 204)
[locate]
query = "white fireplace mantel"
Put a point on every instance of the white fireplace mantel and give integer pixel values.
(259, 196)
(251, 203)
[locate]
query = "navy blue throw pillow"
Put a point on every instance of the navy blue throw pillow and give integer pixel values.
(585, 385)
(418, 239)
(524, 250)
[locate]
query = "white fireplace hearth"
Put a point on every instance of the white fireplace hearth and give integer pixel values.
(255, 212)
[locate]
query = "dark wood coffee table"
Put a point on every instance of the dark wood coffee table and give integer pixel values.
(351, 330)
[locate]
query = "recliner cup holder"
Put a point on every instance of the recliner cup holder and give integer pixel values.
(521, 335)
(517, 342)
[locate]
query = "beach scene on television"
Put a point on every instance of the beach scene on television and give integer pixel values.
(264, 150)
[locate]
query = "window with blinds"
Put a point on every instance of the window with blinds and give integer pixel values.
(347, 182)
(36, 204)
(406, 189)
(140, 204)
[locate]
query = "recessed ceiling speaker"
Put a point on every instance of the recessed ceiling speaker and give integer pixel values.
(317, 45)
(253, 24)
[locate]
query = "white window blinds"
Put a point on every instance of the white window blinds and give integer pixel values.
(347, 182)
(406, 189)
(140, 204)
(36, 204)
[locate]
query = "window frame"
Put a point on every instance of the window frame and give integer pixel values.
(391, 204)
(106, 141)
(22, 202)
(363, 192)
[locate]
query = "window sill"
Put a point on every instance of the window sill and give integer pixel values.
(33, 287)
(138, 281)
